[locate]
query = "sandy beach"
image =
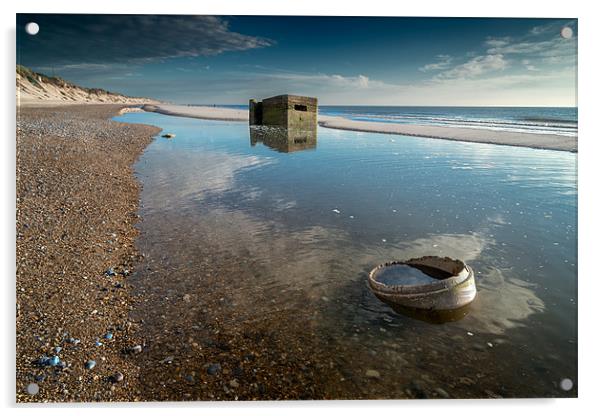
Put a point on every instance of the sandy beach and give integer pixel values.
(532, 140)
(202, 112)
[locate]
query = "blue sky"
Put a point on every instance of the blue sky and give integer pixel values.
(341, 60)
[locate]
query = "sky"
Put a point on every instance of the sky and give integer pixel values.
(340, 60)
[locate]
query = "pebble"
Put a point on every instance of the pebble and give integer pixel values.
(54, 361)
(42, 361)
(90, 364)
(213, 369)
(117, 377)
(186, 298)
(372, 374)
(33, 389)
(233, 383)
(110, 272)
(58, 349)
(490, 345)
(98, 344)
(109, 335)
(418, 390)
(470, 334)
(136, 349)
(442, 393)
(167, 360)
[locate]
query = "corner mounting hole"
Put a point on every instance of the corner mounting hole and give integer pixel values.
(566, 384)
(566, 32)
(32, 28)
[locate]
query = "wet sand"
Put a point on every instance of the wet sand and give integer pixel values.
(532, 140)
(77, 202)
(202, 112)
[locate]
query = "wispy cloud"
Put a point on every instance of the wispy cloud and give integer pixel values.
(553, 47)
(333, 80)
(552, 27)
(443, 62)
(538, 54)
(497, 42)
(543, 44)
(491, 87)
(528, 65)
(477, 66)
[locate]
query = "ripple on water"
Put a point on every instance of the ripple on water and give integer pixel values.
(263, 222)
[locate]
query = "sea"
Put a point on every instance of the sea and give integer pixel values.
(542, 120)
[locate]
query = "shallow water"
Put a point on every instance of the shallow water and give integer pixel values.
(257, 236)
(402, 274)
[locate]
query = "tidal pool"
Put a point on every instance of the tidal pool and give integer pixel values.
(261, 249)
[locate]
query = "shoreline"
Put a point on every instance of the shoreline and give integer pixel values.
(469, 135)
(77, 209)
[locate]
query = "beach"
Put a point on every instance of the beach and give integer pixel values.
(475, 135)
(77, 203)
(146, 290)
(77, 215)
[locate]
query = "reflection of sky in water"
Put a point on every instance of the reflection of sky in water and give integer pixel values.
(318, 221)
(402, 274)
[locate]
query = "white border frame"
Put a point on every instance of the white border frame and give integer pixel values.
(589, 194)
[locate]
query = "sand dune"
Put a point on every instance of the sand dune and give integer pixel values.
(34, 89)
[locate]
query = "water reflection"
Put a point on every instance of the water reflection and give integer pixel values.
(503, 300)
(432, 316)
(283, 140)
(222, 224)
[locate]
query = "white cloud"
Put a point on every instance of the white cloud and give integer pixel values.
(528, 65)
(553, 27)
(363, 81)
(479, 65)
(542, 46)
(78, 67)
(359, 82)
(497, 42)
(443, 62)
